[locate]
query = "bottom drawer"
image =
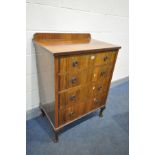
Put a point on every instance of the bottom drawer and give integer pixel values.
(67, 114)
(98, 101)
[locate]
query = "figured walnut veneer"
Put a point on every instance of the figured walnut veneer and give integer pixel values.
(74, 74)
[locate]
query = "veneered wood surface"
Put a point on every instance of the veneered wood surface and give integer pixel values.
(61, 36)
(45, 68)
(88, 94)
(64, 44)
(56, 68)
(79, 57)
(90, 68)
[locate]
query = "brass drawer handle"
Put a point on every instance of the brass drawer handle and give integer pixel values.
(73, 80)
(71, 114)
(105, 58)
(75, 63)
(102, 73)
(99, 88)
(96, 101)
(73, 98)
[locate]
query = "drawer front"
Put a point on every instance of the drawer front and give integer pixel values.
(98, 101)
(99, 88)
(71, 63)
(73, 79)
(100, 73)
(68, 114)
(79, 62)
(73, 97)
(98, 93)
(69, 98)
(72, 112)
(105, 58)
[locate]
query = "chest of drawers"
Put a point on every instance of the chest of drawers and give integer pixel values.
(74, 75)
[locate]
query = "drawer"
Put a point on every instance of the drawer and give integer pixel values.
(98, 89)
(67, 114)
(72, 112)
(69, 80)
(69, 98)
(71, 63)
(73, 97)
(105, 58)
(79, 62)
(98, 101)
(101, 73)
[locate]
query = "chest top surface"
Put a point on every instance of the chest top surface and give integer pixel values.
(71, 43)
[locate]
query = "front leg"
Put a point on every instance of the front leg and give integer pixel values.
(42, 112)
(55, 136)
(101, 112)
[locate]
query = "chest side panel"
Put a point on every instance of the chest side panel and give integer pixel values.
(46, 82)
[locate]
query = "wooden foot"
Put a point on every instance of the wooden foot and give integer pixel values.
(101, 112)
(55, 137)
(42, 112)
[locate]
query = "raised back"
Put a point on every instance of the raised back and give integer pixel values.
(62, 36)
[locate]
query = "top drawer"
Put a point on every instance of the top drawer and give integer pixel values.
(79, 62)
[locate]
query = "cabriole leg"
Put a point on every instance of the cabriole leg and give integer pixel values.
(101, 112)
(55, 137)
(42, 112)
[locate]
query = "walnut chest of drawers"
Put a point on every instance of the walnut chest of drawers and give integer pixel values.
(74, 75)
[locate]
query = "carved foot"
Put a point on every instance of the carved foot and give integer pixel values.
(55, 137)
(101, 112)
(42, 113)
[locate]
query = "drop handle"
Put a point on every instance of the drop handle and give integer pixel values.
(71, 114)
(99, 88)
(102, 73)
(105, 58)
(75, 63)
(73, 80)
(96, 101)
(73, 98)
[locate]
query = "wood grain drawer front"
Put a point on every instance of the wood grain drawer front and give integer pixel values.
(68, 114)
(73, 112)
(73, 79)
(98, 93)
(69, 98)
(98, 89)
(79, 62)
(98, 101)
(100, 73)
(70, 63)
(105, 58)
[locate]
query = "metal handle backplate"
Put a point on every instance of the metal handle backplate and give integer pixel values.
(105, 58)
(75, 63)
(73, 98)
(73, 80)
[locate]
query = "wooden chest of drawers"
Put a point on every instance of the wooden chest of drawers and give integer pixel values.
(74, 75)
